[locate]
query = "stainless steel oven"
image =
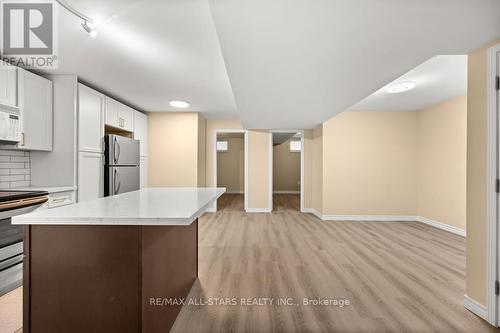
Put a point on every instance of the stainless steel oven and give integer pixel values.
(14, 203)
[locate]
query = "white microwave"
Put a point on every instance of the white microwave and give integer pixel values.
(10, 124)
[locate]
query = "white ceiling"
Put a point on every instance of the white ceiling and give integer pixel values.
(297, 63)
(151, 53)
(280, 137)
(289, 63)
(438, 79)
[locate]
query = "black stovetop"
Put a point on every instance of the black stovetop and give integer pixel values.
(9, 195)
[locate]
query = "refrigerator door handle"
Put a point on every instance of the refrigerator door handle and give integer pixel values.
(119, 183)
(116, 150)
(115, 182)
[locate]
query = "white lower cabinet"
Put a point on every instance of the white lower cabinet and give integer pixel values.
(144, 172)
(59, 199)
(90, 176)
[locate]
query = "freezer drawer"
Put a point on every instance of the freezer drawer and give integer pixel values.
(121, 179)
(121, 150)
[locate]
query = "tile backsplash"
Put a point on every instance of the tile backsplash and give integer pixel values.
(15, 169)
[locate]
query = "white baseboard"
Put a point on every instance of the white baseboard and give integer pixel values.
(388, 218)
(443, 226)
(258, 210)
(234, 192)
(286, 192)
(312, 211)
(375, 218)
(477, 308)
(211, 210)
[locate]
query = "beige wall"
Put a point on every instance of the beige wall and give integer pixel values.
(369, 164)
(317, 169)
(230, 166)
(173, 149)
(308, 172)
(286, 168)
(441, 173)
(477, 124)
(259, 145)
(212, 126)
(201, 147)
(176, 149)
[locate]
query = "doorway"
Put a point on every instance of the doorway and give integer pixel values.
(287, 170)
(230, 170)
(492, 310)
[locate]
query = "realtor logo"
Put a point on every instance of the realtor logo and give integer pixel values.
(29, 34)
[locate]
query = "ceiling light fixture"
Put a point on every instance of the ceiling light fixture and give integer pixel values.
(179, 104)
(90, 29)
(88, 24)
(400, 87)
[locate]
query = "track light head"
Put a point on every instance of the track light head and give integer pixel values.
(89, 29)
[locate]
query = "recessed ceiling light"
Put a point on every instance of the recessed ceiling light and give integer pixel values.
(400, 87)
(179, 104)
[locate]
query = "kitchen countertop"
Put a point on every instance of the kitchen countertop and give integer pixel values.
(50, 189)
(149, 206)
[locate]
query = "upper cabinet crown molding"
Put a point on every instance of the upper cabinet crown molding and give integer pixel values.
(35, 104)
(8, 84)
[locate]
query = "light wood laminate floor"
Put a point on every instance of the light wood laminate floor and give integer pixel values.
(398, 276)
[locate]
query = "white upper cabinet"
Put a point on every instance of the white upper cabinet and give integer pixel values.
(119, 115)
(127, 116)
(141, 132)
(35, 104)
(112, 111)
(90, 120)
(8, 84)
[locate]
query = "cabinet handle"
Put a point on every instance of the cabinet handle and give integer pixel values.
(23, 142)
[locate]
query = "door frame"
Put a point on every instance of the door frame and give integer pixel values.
(245, 163)
(493, 167)
(271, 132)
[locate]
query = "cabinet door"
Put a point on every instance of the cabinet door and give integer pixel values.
(112, 112)
(141, 132)
(143, 163)
(90, 120)
(35, 104)
(8, 84)
(127, 118)
(90, 176)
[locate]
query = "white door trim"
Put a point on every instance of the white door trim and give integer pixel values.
(245, 181)
(301, 166)
(492, 175)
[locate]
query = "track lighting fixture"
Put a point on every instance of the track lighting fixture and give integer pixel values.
(88, 24)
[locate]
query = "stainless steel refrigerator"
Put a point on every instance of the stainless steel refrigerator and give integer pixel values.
(121, 172)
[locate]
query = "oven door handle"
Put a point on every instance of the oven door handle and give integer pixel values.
(22, 203)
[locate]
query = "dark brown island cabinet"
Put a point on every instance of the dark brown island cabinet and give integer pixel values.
(116, 264)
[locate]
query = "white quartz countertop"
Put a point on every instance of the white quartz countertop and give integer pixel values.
(149, 206)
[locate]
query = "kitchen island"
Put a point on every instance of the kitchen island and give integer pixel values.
(102, 265)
